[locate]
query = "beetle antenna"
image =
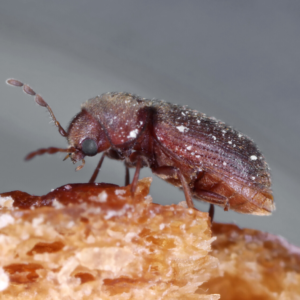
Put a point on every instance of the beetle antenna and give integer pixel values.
(38, 99)
(51, 150)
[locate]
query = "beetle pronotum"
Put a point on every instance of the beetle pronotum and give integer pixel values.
(205, 157)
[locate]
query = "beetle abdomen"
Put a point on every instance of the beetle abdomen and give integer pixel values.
(223, 191)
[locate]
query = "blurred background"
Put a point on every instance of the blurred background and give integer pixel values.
(236, 60)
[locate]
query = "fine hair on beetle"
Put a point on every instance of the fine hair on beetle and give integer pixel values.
(205, 157)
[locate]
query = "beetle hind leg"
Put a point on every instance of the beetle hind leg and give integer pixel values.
(127, 176)
(211, 212)
(210, 188)
(212, 198)
(172, 172)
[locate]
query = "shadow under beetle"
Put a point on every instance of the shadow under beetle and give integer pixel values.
(205, 157)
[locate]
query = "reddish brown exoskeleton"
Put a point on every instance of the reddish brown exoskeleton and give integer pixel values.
(208, 159)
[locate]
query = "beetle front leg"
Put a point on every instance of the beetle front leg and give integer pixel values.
(172, 172)
(96, 172)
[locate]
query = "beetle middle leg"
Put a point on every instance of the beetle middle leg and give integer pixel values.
(138, 160)
(172, 172)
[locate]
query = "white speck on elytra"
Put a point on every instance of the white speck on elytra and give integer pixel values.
(253, 177)
(230, 142)
(253, 157)
(189, 147)
(214, 137)
(133, 133)
(182, 128)
(224, 163)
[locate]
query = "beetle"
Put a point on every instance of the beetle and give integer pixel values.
(206, 158)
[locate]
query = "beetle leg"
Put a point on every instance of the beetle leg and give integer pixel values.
(127, 176)
(209, 187)
(213, 198)
(171, 172)
(211, 212)
(96, 172)
(186, 190)
(136, 175)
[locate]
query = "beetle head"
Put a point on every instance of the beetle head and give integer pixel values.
(86, 137)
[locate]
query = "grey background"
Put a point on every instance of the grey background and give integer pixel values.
(236, 60)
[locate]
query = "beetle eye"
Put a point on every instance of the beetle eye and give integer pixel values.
(89, 147)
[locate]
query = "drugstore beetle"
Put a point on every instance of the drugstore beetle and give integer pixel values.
(205, 157)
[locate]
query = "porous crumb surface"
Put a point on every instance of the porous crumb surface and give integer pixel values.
(97, 242)
(254, 265)
(94, 241)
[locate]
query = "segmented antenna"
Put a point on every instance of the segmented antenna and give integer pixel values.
(50, 150)
(38, 99)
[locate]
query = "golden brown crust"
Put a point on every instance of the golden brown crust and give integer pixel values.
(109, 246)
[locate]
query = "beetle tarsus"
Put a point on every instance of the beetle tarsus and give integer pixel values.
(226, 206)
(127, 176)
(211, 212)
(136, 175)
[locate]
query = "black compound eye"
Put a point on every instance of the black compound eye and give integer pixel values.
(89, 147)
